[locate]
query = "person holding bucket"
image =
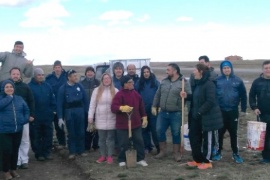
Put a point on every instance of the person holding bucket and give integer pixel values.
(127, 100)
(230, 92)
(259, 100)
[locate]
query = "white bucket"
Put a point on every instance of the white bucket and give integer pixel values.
(187, 146)
(256, 135)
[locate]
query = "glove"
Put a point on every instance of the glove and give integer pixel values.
(145, 122)
(61, 123)
(126, 108)
(90, 127)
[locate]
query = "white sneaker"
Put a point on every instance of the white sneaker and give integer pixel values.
(121, 164)
(142, 163)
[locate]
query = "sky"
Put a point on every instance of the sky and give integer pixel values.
(83, 32)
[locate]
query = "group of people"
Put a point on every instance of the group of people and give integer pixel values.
(95, 113)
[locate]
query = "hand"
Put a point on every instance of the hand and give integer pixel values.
(154, 111)
(145, 122)
(183, 94)
(126, 108)
(90, 120)
(257, 112)
(31, 119)
(90, 127)
(61, 123)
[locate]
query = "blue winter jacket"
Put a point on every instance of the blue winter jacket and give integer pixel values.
(231, 91)
(45, 103)
(147, 93)
(71, 96)
(117, 83)
(14, 112)
(55, 82)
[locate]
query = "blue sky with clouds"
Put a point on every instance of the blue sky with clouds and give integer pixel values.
(90, 31)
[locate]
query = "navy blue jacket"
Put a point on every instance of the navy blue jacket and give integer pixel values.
(71, 95)
(117, 83)
(231, 91)
(147, 93)
(45, 103)
(55, 82)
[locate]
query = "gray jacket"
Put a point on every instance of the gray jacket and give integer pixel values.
(10, 60)
(168, 96)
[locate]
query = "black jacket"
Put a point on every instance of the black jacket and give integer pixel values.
(89, 86)
(204, 102)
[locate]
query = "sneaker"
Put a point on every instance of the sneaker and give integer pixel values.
(122, 164)
(142, 163)
(109, 160)
(41, 158)
(193, 164)
(83, 154)
(71, 156)
(101, 159)
(24, 166)
(237, 158)
(265, 161)
(14, 174)
(205, 166)
(217, 157)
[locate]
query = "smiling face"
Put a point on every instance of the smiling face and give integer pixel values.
(118, 71)
(15, 75)
(18, 48)
(146, 73)
(131, 69)
(90, 74)
(106, 80)
(73, 78)
(57, 70)
(129, 85)
(266, 71)
(9, 89)
(226, 70)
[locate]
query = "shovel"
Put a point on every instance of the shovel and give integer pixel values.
(183, 116)
(131, 153)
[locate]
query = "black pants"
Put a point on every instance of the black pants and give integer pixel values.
(91, 138)
(123, 140)
(43, 138)
(9, 148)
(230, 120)
(60, 133)
(32, 133)
(266, 151)
(196, 141)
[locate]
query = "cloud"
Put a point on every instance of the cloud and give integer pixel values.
(45, 15)
(15, 2)
(184, 19)
(116, 17)
(144, 18)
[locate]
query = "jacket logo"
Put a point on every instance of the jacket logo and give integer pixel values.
(78, 89)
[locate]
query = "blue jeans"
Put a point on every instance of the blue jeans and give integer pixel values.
(166, 119)
(150, 131)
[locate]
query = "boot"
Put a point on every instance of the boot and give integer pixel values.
(176, 153)
(162, 151)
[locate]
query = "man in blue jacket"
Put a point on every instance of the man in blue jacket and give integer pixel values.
(56, 79)
(72, 105)
(230, 92)
(45, 108)
(118, 72)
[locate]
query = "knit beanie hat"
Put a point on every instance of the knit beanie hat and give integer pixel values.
(124, 80)
(226, 63)
(38, 71)
(89, 68)
(18, 43)
(57, 63)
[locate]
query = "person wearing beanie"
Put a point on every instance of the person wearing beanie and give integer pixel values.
(230, 91)
(45, 108)
(90, 83)
(118, 72)
(167, 107)
(127, 100)
(131, 71)
(72, 105)
(14, 114)
(16, 58)
(56, 79)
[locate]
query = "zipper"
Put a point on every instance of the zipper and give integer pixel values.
(15, 117)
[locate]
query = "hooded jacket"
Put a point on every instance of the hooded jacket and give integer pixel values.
(14, 112)
(10, 60)
(230, 91)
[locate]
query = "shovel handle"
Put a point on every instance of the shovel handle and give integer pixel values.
(129, 129)
(182, 119)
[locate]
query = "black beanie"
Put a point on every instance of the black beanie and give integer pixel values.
(89, 68)
(57, 63)
(125, 79)
(18, 43)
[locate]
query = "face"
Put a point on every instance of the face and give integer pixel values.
(146, 73)
(118, 72)
(129, 85)
(202, 61)
(90, 74)
(170, 71)
(73, 78)
(266, 70)
(57, 70)
(18, 48)
(197, 74)
(9, 90)
(131, 69)
(39, 77)
(15, 75)
(226, 70)
(107, 81)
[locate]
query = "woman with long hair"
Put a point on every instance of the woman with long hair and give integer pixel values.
(100, 104)
(147, 86)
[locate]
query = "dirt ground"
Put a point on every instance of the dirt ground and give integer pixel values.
(166, 169)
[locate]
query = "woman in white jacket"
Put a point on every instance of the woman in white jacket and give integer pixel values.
(100, 107)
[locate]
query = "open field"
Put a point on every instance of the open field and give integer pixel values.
(168, 169)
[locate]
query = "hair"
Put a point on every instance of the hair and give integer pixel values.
(118, 64)
(18, 43)
(101, 87)
(89, 68)
(142, 80)
(176, 67)
(206, 58)
(203, 68)
(14, 69)
(265, 63)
